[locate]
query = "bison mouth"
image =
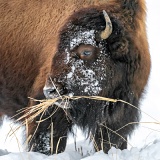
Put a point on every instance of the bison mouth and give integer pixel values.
(63, 103)
(78, 108)
(67, 101)
(53, 93)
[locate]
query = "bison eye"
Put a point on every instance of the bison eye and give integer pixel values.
(87, 52)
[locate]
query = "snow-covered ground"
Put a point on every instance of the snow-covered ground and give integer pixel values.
(145, 141)
(148, 152)
(149, 132)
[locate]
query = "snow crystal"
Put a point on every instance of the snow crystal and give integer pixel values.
(90, 83)
(88, 78)
(71, 94)
(86, 37)
(66, 61)
(70, 75)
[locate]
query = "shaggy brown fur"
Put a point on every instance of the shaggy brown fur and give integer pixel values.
(29, 35)
(32, 32)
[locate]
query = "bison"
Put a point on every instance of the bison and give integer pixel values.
(84, 48)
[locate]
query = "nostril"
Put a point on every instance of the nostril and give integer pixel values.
(52, 92)
(49, 92)
(63, 91)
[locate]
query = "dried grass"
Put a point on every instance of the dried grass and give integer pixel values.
(30, 113)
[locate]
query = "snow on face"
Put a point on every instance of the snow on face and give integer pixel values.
(86, 78)
(85, 37)
(80, 76)
(66, 61)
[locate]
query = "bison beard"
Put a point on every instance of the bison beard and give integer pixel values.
(86, 65)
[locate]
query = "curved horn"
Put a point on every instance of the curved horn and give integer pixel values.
(108, 30)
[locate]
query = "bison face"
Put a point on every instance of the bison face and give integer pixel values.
(83, 65)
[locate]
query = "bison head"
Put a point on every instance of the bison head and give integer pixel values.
(89, 62)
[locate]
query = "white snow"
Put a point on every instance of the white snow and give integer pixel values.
(87, 37)
(70, 74)
(90, 82)
(85, 77)
(68, 57)
(149, 152)
(146, 139)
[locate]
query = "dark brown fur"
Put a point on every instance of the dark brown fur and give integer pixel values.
(30, 36)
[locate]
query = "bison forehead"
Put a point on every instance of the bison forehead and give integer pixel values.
(82, 29)
(82, 36)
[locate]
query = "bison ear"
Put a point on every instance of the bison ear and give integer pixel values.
(108, 29)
